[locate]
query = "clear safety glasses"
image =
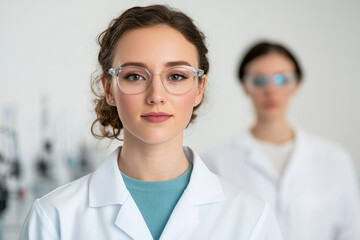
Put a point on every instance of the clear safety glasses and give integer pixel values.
(176, 80)
(282, 81)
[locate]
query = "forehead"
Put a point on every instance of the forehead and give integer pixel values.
(154, 46)
(271, 63)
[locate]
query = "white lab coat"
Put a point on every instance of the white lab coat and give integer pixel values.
(99, 206)
(317, 198)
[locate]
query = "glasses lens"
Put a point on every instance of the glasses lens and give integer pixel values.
(133, 80)
(260, 81)
(285, 81)
(279, 79)
(179, 80)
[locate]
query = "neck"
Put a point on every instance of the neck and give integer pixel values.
(275, 130)
(152, 162)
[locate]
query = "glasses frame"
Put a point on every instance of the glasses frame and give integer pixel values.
(115, 73)
(270, 79)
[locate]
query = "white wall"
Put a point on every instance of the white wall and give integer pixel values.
(48, 48)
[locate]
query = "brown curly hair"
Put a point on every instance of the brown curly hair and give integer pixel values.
(107, 120)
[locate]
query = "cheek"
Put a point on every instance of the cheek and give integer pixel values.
(286, 96)
(127, 106)
(257, 97)
(185, 105)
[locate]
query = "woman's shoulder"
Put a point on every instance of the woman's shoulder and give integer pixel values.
(77, 192)
(241, 196)
(43, 218)
(238, 142)
(239, 146)
(321, 144)
(248, 211)
(231, 195)
(69, 195)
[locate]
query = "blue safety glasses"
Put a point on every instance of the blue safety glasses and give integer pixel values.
(282, 81)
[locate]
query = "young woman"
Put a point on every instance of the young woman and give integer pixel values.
(309, 181)
(154, 66)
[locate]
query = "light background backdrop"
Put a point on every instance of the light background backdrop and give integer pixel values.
(48, 51)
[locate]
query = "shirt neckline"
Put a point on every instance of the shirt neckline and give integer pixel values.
(151, 186)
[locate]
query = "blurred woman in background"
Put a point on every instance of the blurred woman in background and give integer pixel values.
(308, 180)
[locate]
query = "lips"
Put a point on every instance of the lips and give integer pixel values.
(156, 117)
(271, 104)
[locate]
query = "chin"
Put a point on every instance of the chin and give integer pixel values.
(158, 137)
(271, 113)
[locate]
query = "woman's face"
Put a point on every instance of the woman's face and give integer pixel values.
(154, 115)
(270, 101)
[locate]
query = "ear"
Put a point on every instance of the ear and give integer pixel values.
(108, 91)
(200, 91)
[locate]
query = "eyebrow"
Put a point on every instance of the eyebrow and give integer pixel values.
(177, 63)
(138, 64)
(168, 64)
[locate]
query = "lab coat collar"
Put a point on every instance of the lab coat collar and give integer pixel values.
(106, 185)
(108, 188)
(204, 186)
(299, 155)
(256, 158)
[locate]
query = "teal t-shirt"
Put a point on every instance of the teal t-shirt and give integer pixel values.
(156, 200)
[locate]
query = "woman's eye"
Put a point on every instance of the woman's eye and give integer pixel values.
(280, 79)
(260, 81)
(133, 77)
(177, 77)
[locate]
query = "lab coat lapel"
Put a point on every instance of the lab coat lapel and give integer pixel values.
(130, 220)
(204, 188)
(183, 218)
(106, 185)
(108, 188)
(298, 157)
(255, 157)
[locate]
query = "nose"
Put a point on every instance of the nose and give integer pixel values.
(156, 92)
(271, 88)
